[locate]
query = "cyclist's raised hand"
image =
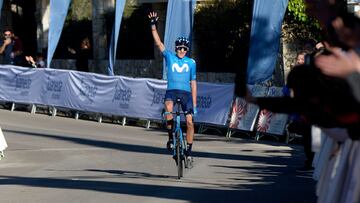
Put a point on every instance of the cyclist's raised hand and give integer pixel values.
(153, 18)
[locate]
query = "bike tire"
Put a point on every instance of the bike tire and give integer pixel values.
(184, 145)
(179, 162)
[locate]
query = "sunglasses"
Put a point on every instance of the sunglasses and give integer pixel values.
(177, 48)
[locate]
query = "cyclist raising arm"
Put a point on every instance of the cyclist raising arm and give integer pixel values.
(181, 76)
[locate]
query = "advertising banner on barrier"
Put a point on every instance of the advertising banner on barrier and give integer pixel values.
(90, 92)
(54, 87)
(213, 102)
(114, 95)
(20, 85)
(132, 99)
(243, 116)
(156, 89)
(270, 122)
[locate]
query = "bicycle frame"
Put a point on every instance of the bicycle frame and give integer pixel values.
(177, 128)
(179, 141)
(178, 131)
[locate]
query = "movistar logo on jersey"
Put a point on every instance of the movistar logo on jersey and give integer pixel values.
(179, 69)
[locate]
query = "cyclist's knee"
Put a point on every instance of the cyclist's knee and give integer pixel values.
(169, 106)
(189, 122)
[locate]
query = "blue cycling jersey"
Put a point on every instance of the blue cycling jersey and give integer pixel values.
(179, 71)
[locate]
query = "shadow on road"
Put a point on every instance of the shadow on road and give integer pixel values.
(269, 188)
(276, 182)
(144, 148)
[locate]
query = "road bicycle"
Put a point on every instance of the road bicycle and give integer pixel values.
(179, 140)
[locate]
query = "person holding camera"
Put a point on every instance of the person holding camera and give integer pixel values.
(10, 48)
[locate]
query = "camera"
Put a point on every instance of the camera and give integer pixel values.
(310, 58)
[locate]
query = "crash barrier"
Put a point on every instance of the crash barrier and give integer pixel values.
(113, 95)
(337, 166)
(248, 117)
(140, 98)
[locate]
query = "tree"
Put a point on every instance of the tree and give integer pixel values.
(297, 25)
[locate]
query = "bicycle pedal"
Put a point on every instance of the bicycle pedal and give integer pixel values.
(170, 145)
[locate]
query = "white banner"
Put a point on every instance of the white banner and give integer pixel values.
(20, 84)
(213, 102)
(270, 122)
(244, 115)
(53, 87)
(114, 95)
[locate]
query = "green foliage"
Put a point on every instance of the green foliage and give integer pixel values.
(297, 25)
(297, 9)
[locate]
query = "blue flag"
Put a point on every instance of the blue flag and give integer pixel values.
(265, 39)
(120, 4)
(1, 4)
(58, 12)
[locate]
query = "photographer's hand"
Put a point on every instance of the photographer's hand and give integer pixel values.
(339, 63)
(347, 35)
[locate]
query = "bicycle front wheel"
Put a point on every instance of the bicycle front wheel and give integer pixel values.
(179, 156)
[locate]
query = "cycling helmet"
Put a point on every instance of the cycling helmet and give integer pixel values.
(182, 41)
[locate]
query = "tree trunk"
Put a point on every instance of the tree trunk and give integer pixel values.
(100, 41)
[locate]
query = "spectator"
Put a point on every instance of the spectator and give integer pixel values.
(30, 62)
(82, 55)
(300, 58)
(344, 64)
(40, 60)
(299, 125)
(10, 48)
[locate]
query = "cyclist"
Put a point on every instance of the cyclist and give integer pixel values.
(181, 76)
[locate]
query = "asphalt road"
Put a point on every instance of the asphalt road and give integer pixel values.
(57, 159)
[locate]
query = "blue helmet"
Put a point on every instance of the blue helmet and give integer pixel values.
(182, 41)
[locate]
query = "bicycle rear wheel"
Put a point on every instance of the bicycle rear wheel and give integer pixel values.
(179, 161)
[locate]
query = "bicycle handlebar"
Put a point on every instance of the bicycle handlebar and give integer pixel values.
(175, 112)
